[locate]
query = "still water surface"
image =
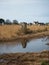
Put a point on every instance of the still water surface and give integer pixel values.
(34, 45)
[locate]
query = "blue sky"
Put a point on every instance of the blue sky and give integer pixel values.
(25, 10)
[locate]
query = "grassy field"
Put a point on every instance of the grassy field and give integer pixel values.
(8, 32)
(38, 27)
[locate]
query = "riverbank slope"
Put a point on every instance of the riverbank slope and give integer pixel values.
(11, 32)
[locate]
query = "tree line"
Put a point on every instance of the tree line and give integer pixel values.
(2, 21)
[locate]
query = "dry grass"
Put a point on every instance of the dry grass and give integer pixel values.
(10, 31)
(38, 27)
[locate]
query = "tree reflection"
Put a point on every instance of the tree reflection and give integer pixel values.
(24, 43)
(45, 38)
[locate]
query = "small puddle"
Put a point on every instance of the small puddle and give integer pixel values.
(33, 45)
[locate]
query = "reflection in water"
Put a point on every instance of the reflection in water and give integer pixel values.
(24, 43)
(46, 39)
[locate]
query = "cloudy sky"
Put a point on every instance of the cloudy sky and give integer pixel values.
(25, 10)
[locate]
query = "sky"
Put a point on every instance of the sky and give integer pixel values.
(25, 10)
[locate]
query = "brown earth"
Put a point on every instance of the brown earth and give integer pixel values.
(24, 58)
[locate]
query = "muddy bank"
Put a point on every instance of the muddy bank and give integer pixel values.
(24, 58)
(27, 36)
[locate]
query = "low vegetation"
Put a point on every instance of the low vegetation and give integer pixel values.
(10, 32)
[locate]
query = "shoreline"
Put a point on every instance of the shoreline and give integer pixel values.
(27, 36)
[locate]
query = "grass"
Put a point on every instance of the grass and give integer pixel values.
(38, 27)
(8, 31)
(13, 31)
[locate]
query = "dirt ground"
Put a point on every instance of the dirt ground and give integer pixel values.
(24, 58)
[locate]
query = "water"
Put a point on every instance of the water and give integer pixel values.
(24, 45)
